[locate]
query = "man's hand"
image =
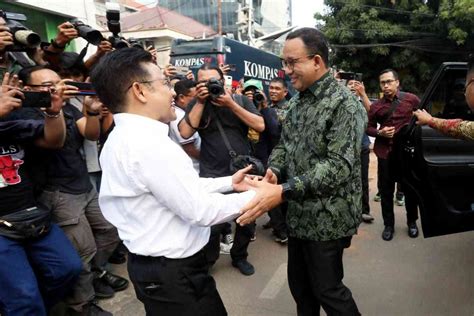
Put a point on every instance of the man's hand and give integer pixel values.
(65, 91)
(387, 131)
(104, 48)
(359, 88)
(6, 38)
(224, 100)
(169, 71)
(422, 117)
(202, 93)
(66, 33)
(190, 75)
(92, 104)
(239, 182)
(11, 82)
(268, 197)
(224, 68)
(249, 94)
(9, 101)
(152, 52)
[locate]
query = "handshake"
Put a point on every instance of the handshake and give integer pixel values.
(268, 193)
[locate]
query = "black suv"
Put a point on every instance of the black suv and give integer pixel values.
(438, 167)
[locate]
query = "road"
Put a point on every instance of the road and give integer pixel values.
(404, 276)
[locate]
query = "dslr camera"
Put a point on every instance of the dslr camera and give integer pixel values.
(23, 38)
(215, 88)
(113, 24)
(88, 33)
(258, 96)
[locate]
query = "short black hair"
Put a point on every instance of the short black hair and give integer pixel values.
(72, 65)
(314, 40)
(208, 66)
(280, 80)
(395, 74)
(25, 73)
(182, 87)
(115, 72)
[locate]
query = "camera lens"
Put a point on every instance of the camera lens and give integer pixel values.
(259, 97)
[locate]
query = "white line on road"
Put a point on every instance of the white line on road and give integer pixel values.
(275, 284)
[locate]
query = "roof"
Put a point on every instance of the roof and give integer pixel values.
(159, 17)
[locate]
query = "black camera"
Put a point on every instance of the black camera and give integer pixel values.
(88, 33)
(35, 99)
(113, 24)
(350, 76)
(258, 96)
(215, 88)
(23, 38)
(118, 42)
(133, 42)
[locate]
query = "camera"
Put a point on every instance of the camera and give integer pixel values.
(350, 76)
(258, 96)
(88, 33)
(113, 24)
(133, 42)
(215, 88)
(23, 38)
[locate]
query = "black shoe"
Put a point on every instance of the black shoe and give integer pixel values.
(95, 310)
(116, 282)
(245, 267)
(267, 225)
(412, 230)
(388, 233)
(119, 255)
(281, 237)
(102, 288)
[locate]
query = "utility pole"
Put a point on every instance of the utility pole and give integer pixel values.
(219, 17)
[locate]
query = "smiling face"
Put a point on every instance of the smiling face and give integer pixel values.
(277, 91)
(302, 66)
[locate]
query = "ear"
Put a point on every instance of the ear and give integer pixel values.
(318, 62)
(138, 93)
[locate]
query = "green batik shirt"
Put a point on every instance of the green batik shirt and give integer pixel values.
(319, 157)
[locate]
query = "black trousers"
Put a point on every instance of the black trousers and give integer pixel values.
(387, 188)
(242, 237)
(278, 218)
(175, 287)
(315, 273)
(365, 160)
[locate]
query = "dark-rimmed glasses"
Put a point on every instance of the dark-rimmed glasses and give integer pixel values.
(165, 82)
(290, 63)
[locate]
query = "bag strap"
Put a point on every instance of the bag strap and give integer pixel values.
(394, 106)
(232, 153)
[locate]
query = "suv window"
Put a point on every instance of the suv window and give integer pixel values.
(448, 101)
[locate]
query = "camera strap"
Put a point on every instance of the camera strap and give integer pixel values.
(393, 107)
(232, 153)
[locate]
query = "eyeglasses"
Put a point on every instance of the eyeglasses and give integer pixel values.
(467, 85)
(51, 87)
(389, 81)
(164, 82)
(290, 63)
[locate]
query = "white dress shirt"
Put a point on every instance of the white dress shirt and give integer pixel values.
(152, 194)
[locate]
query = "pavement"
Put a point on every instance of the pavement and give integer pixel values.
(404, 276)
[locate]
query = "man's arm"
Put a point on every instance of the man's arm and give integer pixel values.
(54, 125)
(89, 125)
(103, 48)
(250, 119)
(191, 150)
(192, 118)
(372, 124)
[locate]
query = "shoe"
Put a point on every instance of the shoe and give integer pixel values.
(412, 230)
(225, 248)
(228, 239)
(367, 218)
(116, 282)
(118, 256)
(254, 237)
(377, 197)
(245, 267)
(281, 237)
(387, 233)
(267, 225)
(102, 288)
(400, 200)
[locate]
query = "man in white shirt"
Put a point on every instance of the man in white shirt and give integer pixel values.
(152, 194)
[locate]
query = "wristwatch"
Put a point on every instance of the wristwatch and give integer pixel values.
(287, 191)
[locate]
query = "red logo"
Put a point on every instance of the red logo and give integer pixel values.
(9, 169)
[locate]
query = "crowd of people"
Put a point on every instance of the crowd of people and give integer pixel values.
(167, 172)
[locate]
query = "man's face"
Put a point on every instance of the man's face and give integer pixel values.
(277, 92)
(184, 100)
(469, 94)
(302, 67)
(43, 80)
(388, 84)
(205, 75)
(159, 94)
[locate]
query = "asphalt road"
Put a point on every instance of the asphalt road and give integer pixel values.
(405, 276)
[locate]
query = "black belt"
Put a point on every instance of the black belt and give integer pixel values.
(168, 261)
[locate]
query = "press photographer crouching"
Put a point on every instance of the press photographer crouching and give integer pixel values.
(222, 121)
(38, 264)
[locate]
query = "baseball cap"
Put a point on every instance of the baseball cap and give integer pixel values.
(253, 83)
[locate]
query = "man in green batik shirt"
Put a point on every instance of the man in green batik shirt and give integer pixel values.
(318, 163)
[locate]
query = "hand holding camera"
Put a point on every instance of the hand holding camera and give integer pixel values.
(6, 38)
(66, 33)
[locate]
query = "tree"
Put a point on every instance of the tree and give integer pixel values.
(411, 36)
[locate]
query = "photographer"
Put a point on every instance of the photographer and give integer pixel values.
(38, 264)
(236, 115)
(66, 189)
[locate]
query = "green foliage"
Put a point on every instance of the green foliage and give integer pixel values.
(411, 36)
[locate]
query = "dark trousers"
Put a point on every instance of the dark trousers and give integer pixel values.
(315, 273)
(278, 218)
(242, 237)
(175, 287)
(365, 160)
(37, 273)
(387, 188)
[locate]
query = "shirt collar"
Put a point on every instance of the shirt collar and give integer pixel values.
(320, 85)
(397, 96)
(139, 121)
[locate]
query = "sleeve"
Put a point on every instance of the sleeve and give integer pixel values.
(21, 130)
(456, 128)
(175, 134)
(372, 124)
(167, 172)
(271, 124)
(247, 104)
(76, 114)
(343, 150)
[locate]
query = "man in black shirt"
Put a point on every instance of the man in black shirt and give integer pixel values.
(36, 269)
(236, 118)
(67, 190)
